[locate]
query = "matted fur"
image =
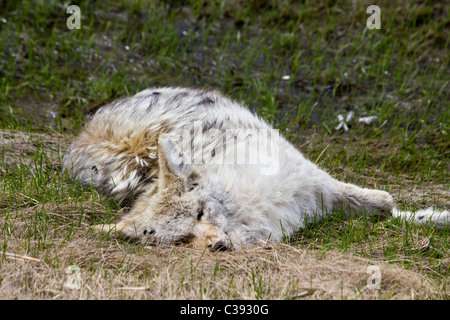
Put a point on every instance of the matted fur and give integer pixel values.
(129, 150)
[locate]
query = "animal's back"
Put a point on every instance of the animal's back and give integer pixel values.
(117, 151)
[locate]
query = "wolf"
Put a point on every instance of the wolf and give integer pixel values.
(201, 169)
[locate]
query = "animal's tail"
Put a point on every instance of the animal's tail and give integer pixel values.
(436, 218)
(381, 203)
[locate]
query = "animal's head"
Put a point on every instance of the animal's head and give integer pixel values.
(188, 207)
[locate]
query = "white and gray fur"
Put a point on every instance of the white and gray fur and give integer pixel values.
(127, 151)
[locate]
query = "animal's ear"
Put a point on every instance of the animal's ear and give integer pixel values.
(172, 163)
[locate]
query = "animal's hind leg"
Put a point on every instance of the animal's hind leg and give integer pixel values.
(357, 200)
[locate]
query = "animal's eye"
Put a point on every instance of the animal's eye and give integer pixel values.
(200, 214)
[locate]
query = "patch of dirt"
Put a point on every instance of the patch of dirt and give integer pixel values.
(402, 187)
(20, 147)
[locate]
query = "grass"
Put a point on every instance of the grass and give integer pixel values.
(298, 65)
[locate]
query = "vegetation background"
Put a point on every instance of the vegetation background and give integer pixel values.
(298, 64)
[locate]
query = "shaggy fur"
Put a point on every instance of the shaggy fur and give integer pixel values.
(135, 151)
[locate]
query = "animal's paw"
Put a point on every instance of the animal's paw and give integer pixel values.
(387, 200)
(120, 229)
(383, 201)
(104, 228)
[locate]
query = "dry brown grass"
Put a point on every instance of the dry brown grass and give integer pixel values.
(274, 271)
(111, 269)
(41, 240)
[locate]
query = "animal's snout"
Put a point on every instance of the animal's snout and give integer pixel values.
(218, 246)
(206, 234)
(149, 232)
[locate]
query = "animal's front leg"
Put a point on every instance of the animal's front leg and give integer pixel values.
(122, 229)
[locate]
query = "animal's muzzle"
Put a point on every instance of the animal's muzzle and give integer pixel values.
(218, 246)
